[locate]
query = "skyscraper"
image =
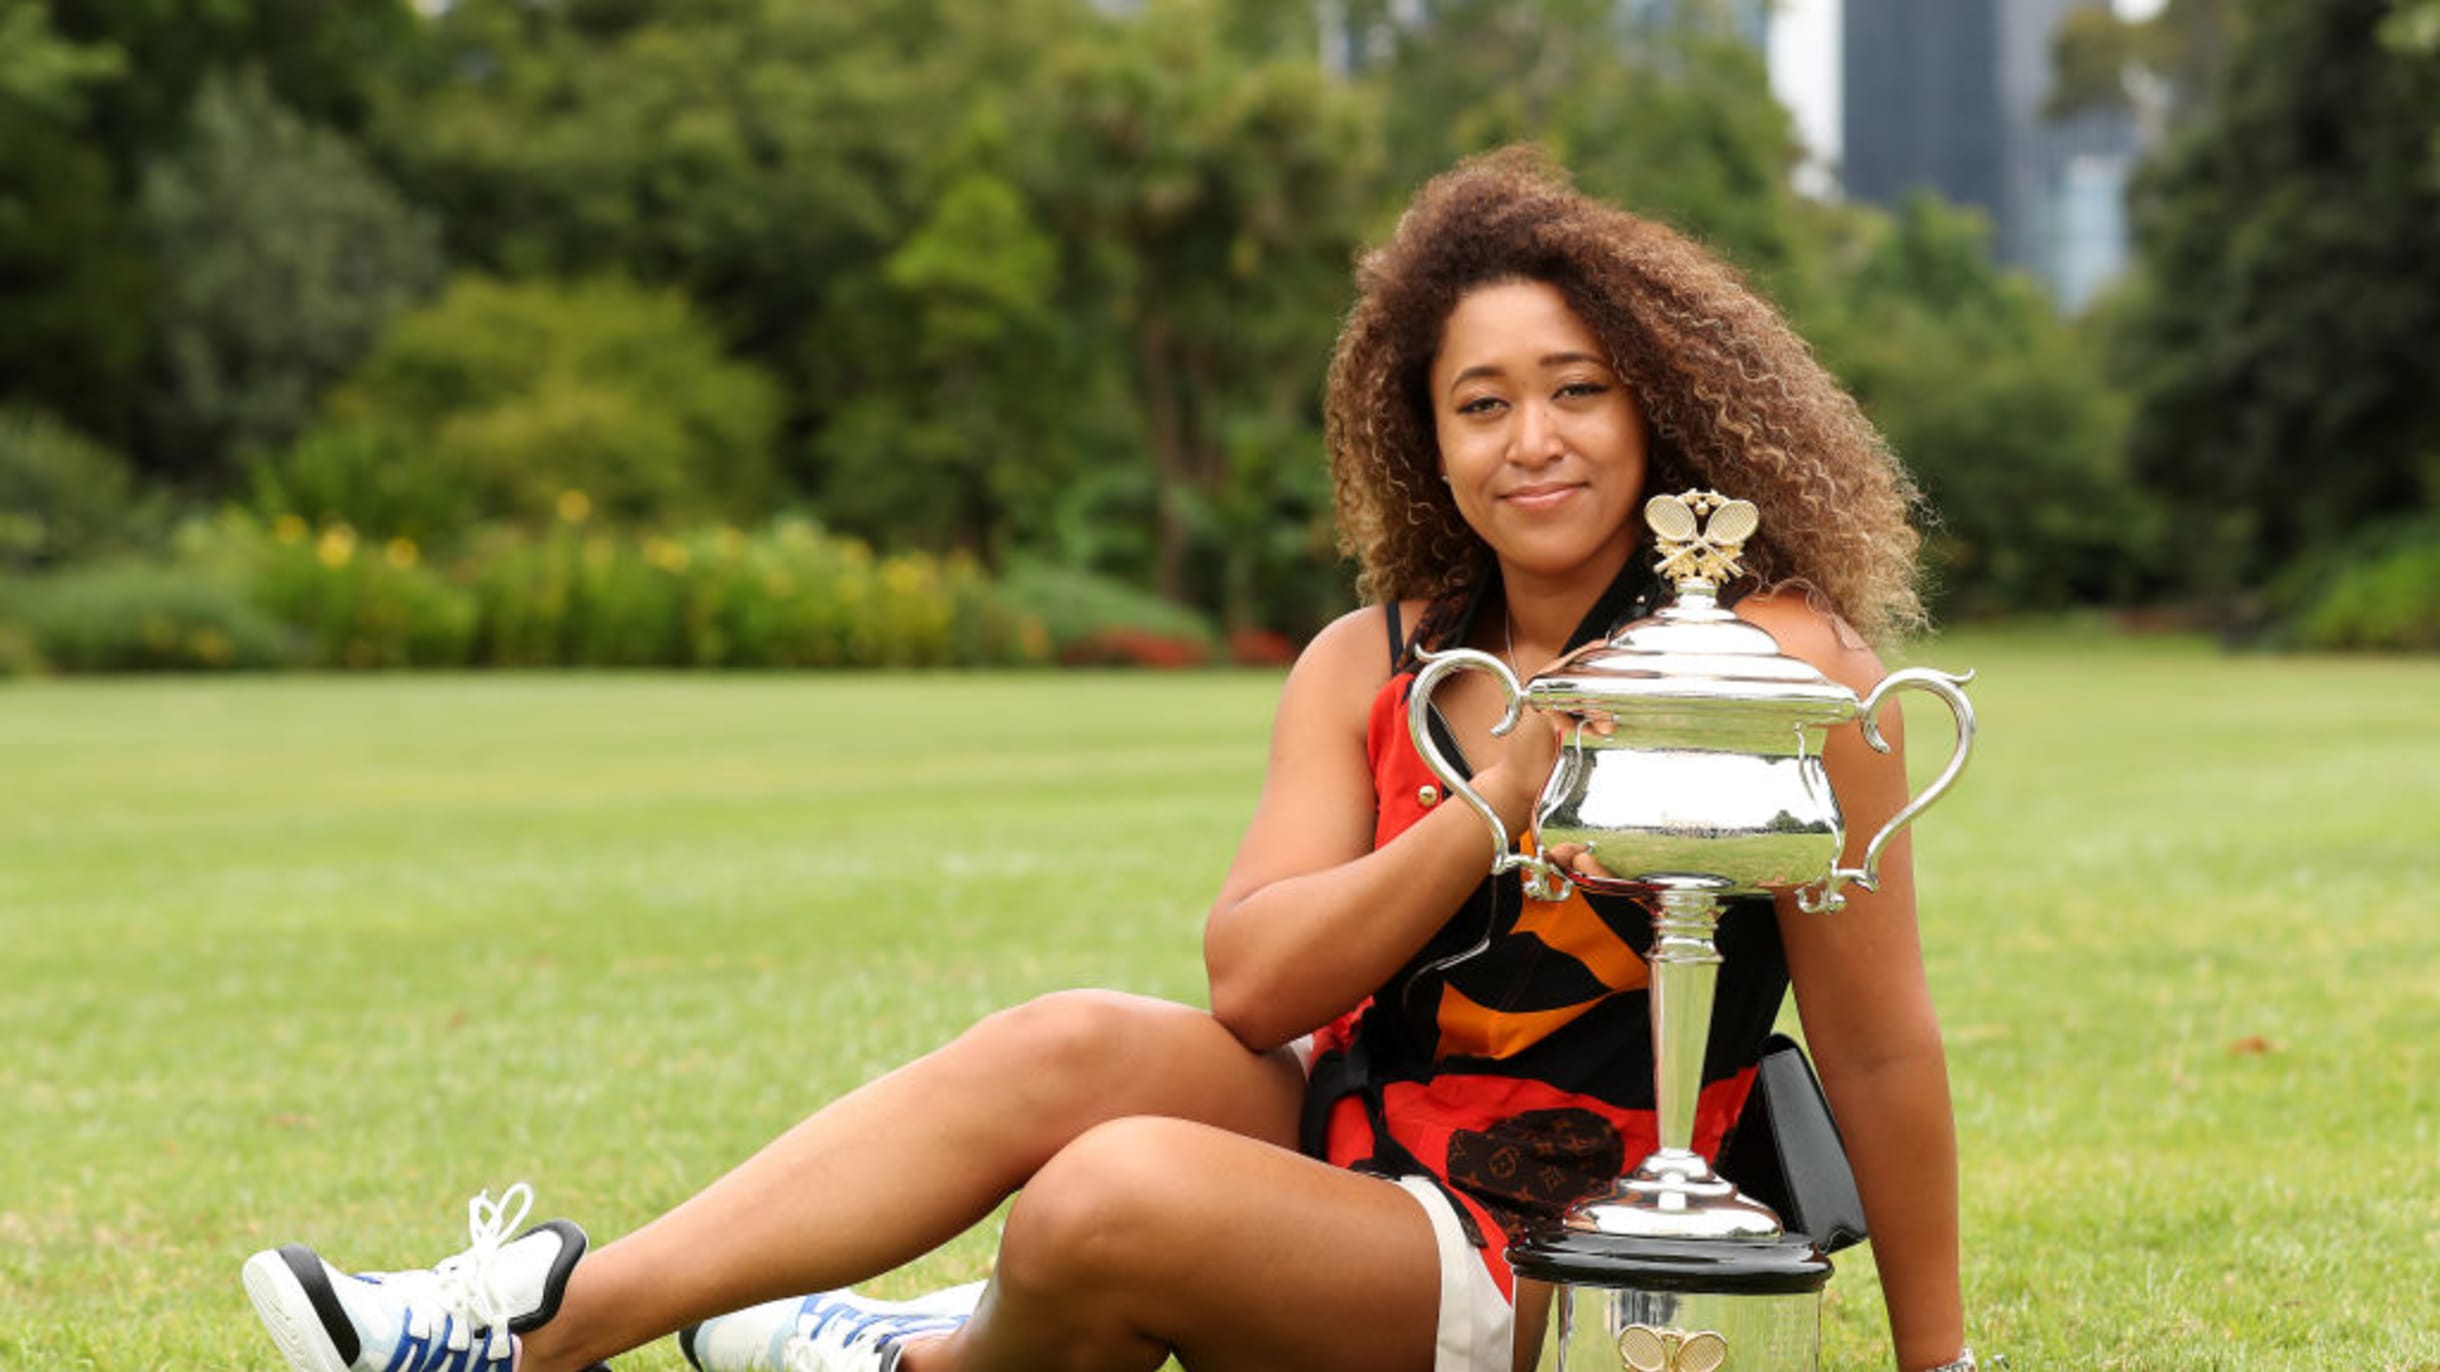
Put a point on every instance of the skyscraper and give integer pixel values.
(1949, 96)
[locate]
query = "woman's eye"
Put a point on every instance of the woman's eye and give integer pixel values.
(1481, 404)
(1582, 388)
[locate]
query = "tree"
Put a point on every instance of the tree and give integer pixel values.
(282, 259)
(1011, 255)
(1221, 193)
(321, 60)
(824, 180)
(523, 393)
(2162, 69)
(1667, 111)
(1999, 408)
(71, 266)
(2279, 335)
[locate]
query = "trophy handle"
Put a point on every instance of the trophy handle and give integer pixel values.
(1824, 896)
(1542, 880)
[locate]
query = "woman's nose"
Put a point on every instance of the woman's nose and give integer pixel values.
(1537, 434)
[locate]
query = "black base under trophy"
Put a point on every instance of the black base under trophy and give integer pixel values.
(1677, 1305)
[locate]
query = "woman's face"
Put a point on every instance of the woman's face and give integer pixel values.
(1540, 441)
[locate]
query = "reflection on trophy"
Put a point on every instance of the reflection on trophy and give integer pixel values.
(1693, 774)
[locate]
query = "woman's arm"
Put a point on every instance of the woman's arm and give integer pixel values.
(1310, 918)
(1868, 1014)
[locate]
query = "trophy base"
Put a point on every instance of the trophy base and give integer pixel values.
(1652, 1304)
(1673, 1195)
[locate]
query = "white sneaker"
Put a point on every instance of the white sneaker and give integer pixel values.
(830, 1331)
(461, 1315)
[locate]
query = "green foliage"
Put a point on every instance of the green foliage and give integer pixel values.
(2381, 593)
(1076, 607)
(522, 393)
(1224, 194)
(62, 495)
(93, 91)
(72, 268)
(1670, 114)
(320, 60)
(789, 596)
(126, 616)
(362, 605)
(282, 258)
(365, 476)
(2001, 411)
(2159, 68)
(1055, 280)
(18, 655)
(1006, 249)
(2279, 341)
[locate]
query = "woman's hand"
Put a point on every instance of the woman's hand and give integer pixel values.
(1512, 785)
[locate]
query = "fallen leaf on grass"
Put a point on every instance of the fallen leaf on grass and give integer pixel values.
(2251, 1044)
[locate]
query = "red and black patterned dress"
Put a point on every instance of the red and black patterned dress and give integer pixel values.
(1520, 1077)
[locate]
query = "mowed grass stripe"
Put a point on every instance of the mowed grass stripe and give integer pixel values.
(315, 957)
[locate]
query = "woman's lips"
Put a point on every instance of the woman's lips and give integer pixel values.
(1542, 497)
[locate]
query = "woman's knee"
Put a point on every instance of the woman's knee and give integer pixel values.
(1116, 1207)
(1068, 1040)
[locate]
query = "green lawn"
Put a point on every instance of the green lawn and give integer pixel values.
(317, 958)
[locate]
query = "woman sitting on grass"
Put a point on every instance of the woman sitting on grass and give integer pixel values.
(1297, 1178)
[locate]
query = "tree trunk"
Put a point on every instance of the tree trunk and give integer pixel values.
(1173, 464)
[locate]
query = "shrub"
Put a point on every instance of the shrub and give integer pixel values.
(62, 495)
(18, 655)
(279, 257)
(1124, 646)
(2385, 598)
(523, 391)
(140, 616)
(370, 478)
(1099, 619)
(788, 596)
(361, 603)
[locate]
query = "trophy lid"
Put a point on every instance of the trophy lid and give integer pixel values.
(1694, 649)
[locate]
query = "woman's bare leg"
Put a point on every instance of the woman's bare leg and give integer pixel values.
(1152, 1235)
(906, 1162)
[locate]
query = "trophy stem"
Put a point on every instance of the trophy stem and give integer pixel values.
(1685, 972)
(1675, 1193)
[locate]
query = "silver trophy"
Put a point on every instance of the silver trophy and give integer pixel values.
(1692, 772)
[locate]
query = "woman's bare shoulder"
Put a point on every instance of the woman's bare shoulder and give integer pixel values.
(1355, 649)
(1812, 631)
(1341, 669)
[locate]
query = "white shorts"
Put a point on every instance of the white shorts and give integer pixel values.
(1477, 1327)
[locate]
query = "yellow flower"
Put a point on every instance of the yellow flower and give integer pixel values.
(288, 529)
(211, 646)
(667, 554)
(337, 546)
(575, 506)
(401, 553)
(731, 541)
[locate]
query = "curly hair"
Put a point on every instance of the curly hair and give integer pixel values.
(1734, 400)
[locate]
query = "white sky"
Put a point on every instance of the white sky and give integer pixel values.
(1805, 65)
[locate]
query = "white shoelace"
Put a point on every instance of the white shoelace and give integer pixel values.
(465, 1286)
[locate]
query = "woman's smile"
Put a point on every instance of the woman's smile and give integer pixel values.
(1543, 495)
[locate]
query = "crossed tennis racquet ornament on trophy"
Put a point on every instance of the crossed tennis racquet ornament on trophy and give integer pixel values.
(1703, 781)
